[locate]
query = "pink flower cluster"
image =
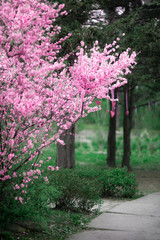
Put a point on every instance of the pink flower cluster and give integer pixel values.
(38, 91)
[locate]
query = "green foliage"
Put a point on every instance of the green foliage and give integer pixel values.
(81, 188)
(77, 194)
(90, 159)
(65, 223)
(149, 119)
(145, 144)
(78, 14)
(146, 150)
(118, 183)
(49, 152)
(37, 211)
(34, 206)
(60, 225)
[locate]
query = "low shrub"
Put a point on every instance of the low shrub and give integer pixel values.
(78, 193)
(118, 183)
(81, 189)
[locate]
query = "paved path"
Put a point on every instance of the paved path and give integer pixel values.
(132, 220)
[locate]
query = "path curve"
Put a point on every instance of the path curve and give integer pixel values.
(132, 220)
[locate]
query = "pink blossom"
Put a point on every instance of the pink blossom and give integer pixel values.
(60, 141)
(44, 90)
(38, 171)
(16, 187)
(11, 142)
(46, 179)
(10, 156)
(24, 150)
(35, 177)
(82, 43)
(14, 174)
(51, 168)
(5, 178)
(21, 199)
(64, 13)
(2, 172)
(30, 144)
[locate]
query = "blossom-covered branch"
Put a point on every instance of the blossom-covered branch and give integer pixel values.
(38, 92)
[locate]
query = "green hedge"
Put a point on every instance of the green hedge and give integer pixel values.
(77, 193)
(119, 183)
(81, 189)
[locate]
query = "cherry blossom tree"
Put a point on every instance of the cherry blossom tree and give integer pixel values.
(39, 92)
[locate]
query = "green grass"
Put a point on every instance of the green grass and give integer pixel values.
(90, 159)
(60, 225)
(145, 150)
(145, 143)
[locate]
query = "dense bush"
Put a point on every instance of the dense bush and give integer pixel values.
(81, 189)
(77, 192)
(118, 183)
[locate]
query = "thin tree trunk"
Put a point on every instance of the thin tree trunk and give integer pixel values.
(127, 126)
(66, 153)
(111, 153)
(117, 116)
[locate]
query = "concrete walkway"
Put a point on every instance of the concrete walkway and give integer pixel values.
(132, 220)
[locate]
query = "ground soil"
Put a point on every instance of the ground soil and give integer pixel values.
(148, 181)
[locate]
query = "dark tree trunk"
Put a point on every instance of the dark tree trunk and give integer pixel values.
(66, 153)
(111, 153)
(127, 126)
(118, 109)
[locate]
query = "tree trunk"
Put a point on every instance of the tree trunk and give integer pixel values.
(127, 126)
(66, 153)
(118, 109)
(111, 153)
